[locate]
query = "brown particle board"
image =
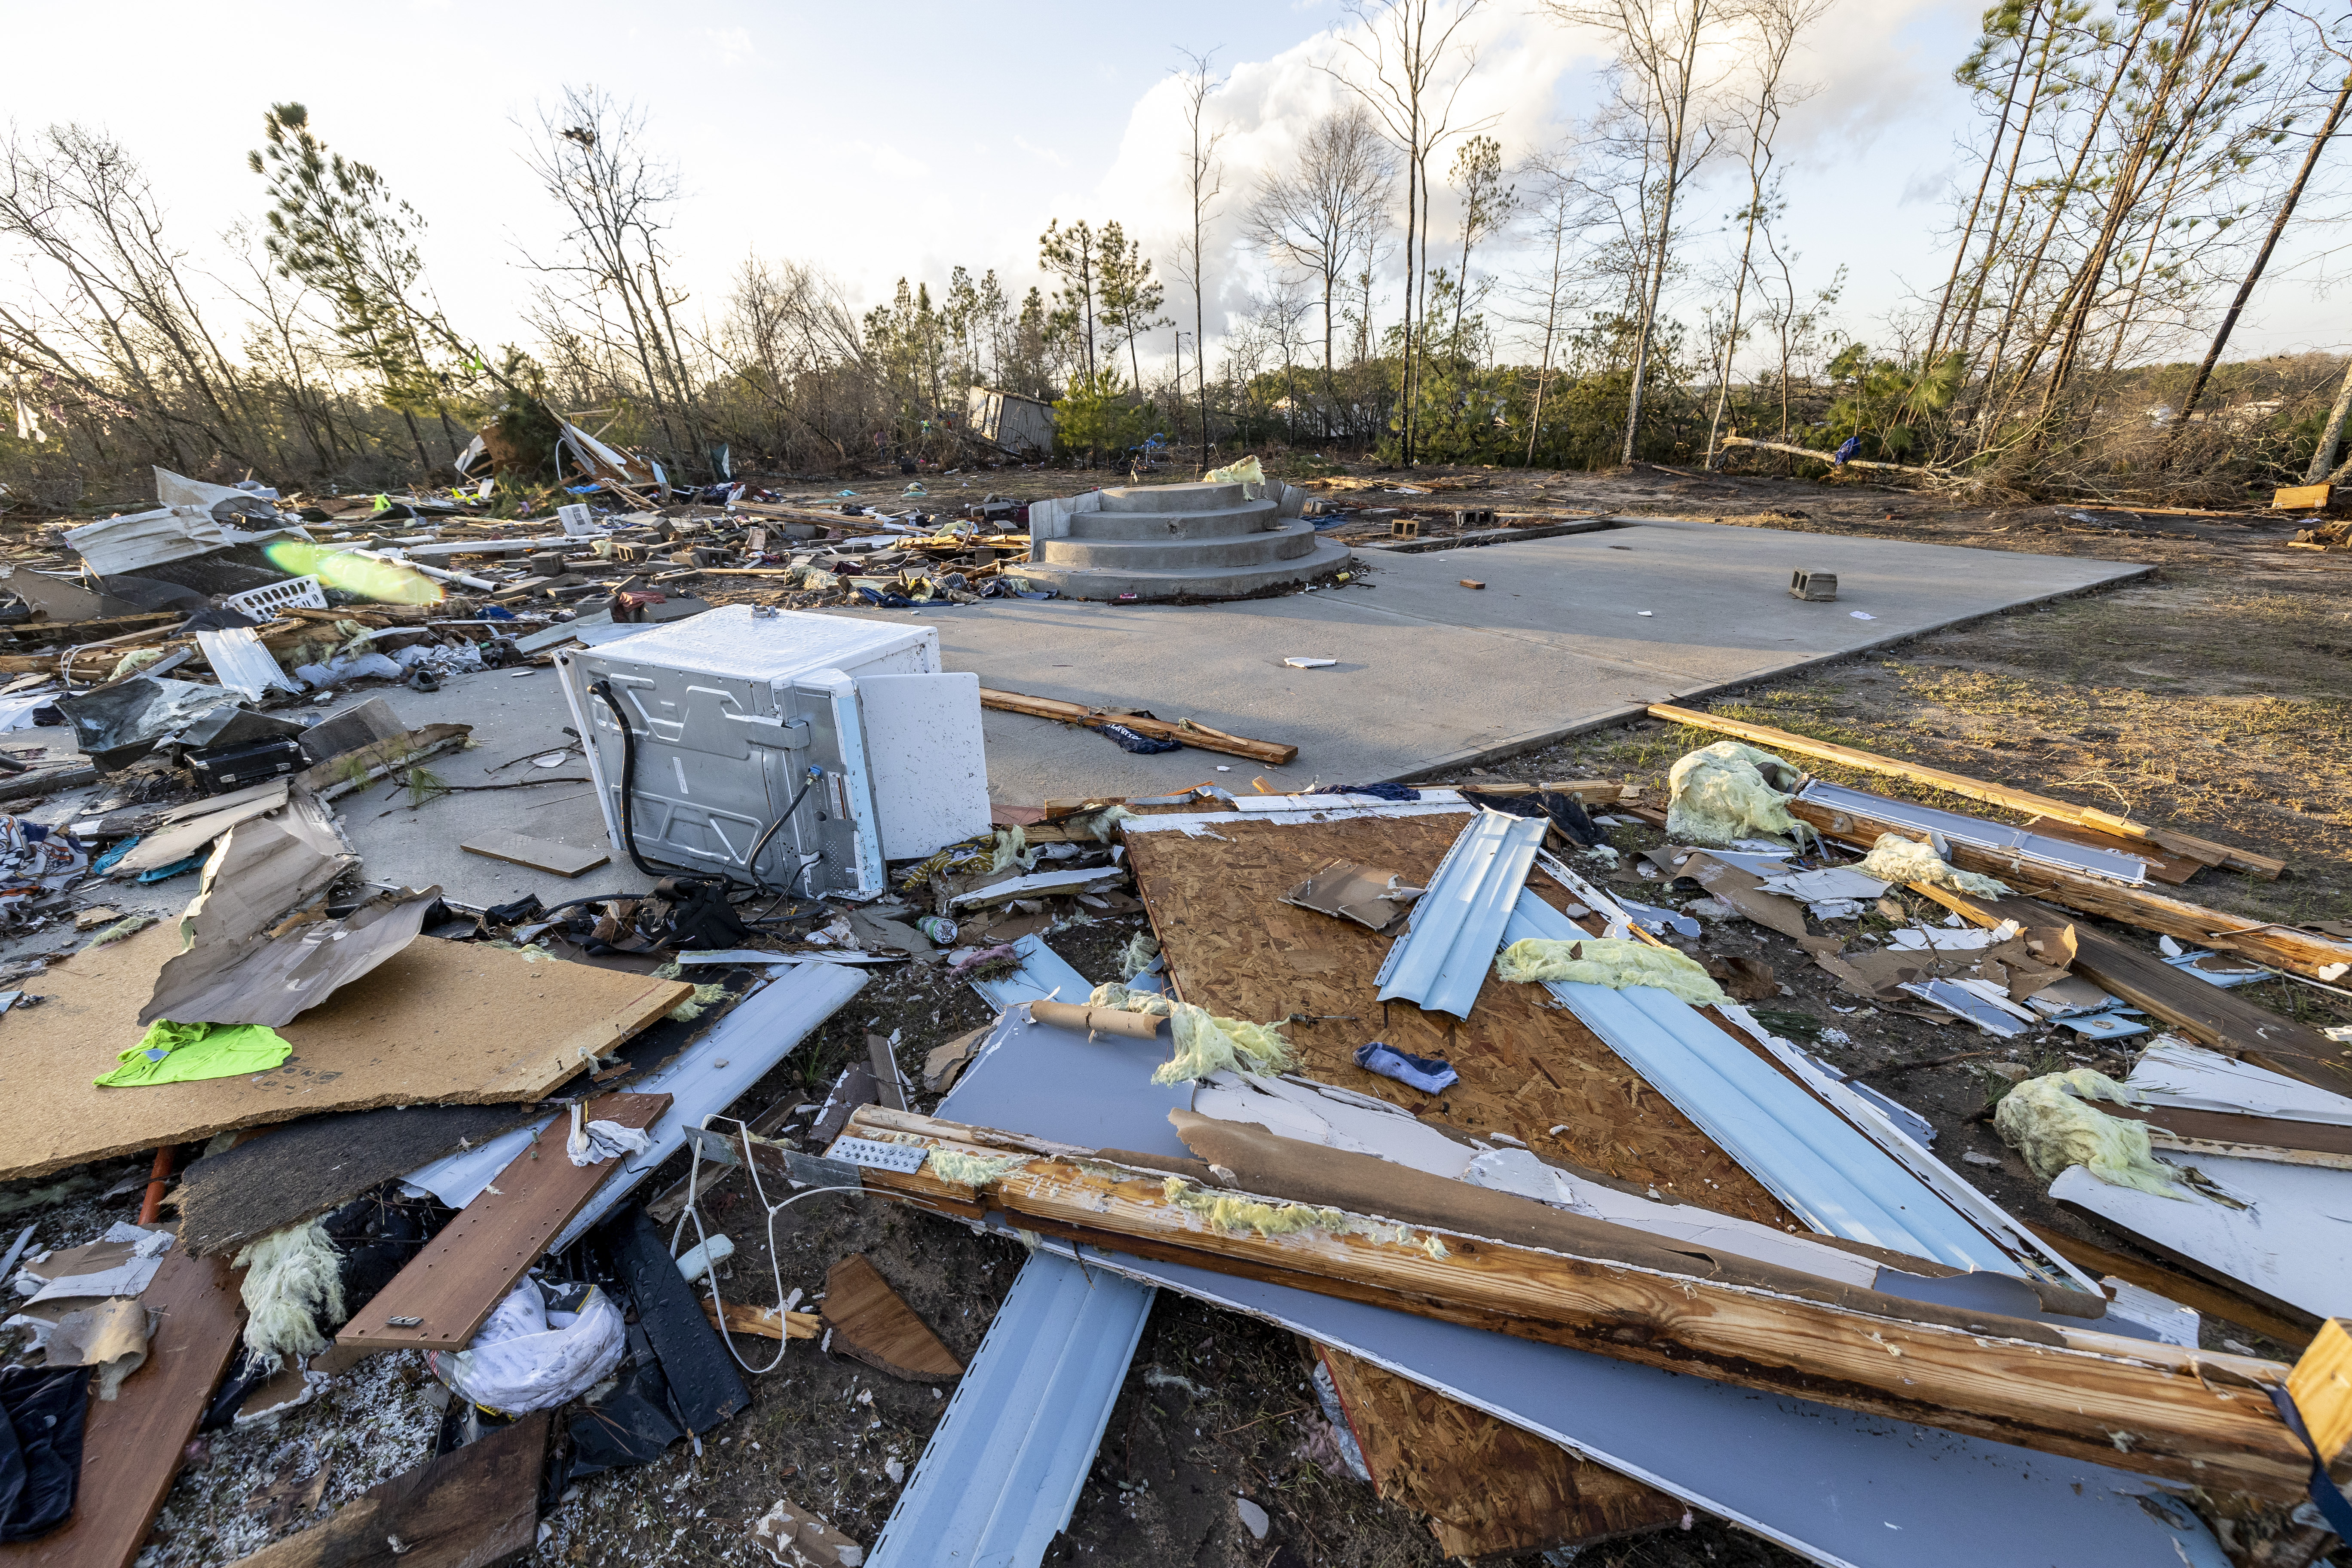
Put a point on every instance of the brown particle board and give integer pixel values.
(870, 1322)
(474, 1508)
(1235, 948)
(130, 1446)
(1489, 1488)
(468, 1268)
(441, 1023)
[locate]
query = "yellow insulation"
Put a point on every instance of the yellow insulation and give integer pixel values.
(1894, 859)
(972, 1170)
(2054, 1128)
(1206, 1044)
(1728, 791)
(1606, 961)
(1111, 994)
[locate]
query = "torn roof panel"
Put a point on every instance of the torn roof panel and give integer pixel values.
(1828, 1174)
(1449, 944)
(1997, 836)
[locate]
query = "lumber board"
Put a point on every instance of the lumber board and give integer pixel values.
(2186, 1415)
(1974, 789)
(474, 1508)
(441, 1023)
(2190, 1291)
(1489, 1488)
(2284, 946)
(1196, 735)
(2214, 1015)
(2163, 865)
(1536, 1073)
(2243, 1137)
(872, 1322)
(130, 1446)
(462, 1274)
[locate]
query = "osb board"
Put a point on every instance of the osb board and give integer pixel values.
(130, 1446)
(1489, 1488)
(1235, 948)
(442, 1023)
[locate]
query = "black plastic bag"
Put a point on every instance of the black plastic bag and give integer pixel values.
(40, 1447)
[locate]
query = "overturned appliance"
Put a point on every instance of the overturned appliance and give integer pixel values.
(796, 752)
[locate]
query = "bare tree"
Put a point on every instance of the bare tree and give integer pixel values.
(1412, 73)
(588, 153)
(1317, 217)
(1487, 203)
(1661, 82)
(1548, 298)
(1776, 23)
(1204, 182)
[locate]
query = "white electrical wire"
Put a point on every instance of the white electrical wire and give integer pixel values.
(693, 1211)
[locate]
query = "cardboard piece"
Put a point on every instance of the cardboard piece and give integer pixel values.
(439, 1022)
(539, 854)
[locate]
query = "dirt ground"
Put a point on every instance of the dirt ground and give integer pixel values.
(2211, 696)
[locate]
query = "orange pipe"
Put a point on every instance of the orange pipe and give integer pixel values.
(159, 1179)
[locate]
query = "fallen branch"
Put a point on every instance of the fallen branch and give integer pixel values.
(1272, 753)
(1730, 441)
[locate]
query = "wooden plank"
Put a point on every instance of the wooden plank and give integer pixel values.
(475, 1507)
(539, 854)
(2212, 1015)
(2188, 1289)
(2193, 1417)
(2243, 1137)
(464, 1272)
(1489, 1488)
(766, 1322)
(870, 1322)
(130, 1446)
(1196, 735)
(2302, 498)
(440, 1023)
(1526, 1069)
(1974, 789)
(2284, 946)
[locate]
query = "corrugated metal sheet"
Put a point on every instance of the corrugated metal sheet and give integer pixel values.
(1833, 1178)
(708, 1076)
(1998, 836)
(1455, 927)
(1004, 1467)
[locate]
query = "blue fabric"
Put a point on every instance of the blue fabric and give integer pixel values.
(1129, 740)
(1377, 790)
(1424, 1073)
(1852, 445)
(2325, 1495)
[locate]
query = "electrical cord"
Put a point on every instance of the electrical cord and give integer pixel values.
(604, 689)
(693, 1211)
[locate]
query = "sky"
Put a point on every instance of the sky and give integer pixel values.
(902, 139)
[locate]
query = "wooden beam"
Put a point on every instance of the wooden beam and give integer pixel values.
(2188, 1289)
(1207, 739)
(2282, 946)
(451, 1287)
(470, 1508)
(2184, 1415)
(1974, 789)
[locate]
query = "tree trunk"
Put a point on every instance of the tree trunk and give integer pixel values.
(2332, 432)
(1993, 157)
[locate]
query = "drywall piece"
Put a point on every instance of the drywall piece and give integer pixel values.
(539, 854)
(1449, 944)
(131, 1443)
(2172, 1071)
(273, 980)
(242, 664)
(1999, 838)
(438, 1023)
(930, 771)
(449, 1288)
(1827, 1172)
(2278, 1249)
(1005, 1466)
(1841, 1488)
(470, 1508)
(1043, 975)
(705, 1078)
(872, 1322)
(190, 828)
(703, 1379)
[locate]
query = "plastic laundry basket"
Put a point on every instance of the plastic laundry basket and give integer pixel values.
(294, 593)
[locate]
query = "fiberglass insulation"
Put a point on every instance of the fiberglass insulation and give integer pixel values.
(2054, 1128)
(1723, 793)
(1894, 859)
(1608, 960)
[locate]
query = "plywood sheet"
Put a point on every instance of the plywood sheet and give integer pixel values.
(440, 1023)
(474, 1508)
(871, 1322)
(1528, 1070)
(131, 1448)
(466, 1269)
(1489, 1488)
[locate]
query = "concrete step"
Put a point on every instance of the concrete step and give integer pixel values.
(1322, 559)
(1249, 517)
(1178, 554)
(1173, 497)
